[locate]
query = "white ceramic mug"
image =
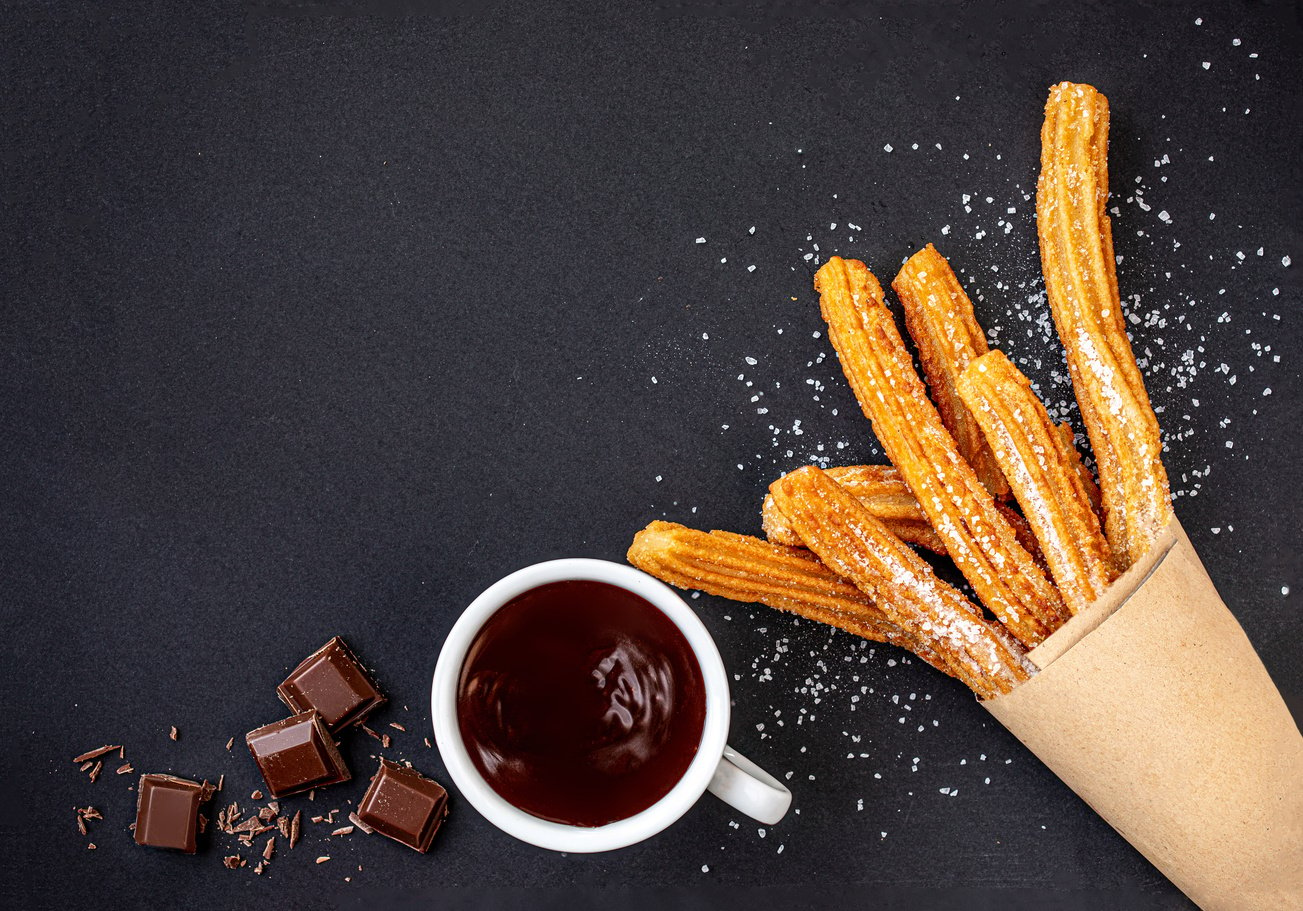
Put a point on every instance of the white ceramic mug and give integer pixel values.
(716, 767)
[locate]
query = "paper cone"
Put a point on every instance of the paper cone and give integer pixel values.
(1152, 705)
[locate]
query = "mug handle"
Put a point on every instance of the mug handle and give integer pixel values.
(745, 786)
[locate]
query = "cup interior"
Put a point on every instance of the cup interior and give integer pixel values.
(526, 826)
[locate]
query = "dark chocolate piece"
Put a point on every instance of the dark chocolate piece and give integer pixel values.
(332, 681)
(167, 811)
(296, 754)
(403, 804)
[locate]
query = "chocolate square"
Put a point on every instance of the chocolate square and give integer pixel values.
(296, 754)
(404, 805)
(332, 681)
(167, 811)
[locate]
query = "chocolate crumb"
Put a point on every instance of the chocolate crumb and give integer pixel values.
(385, 741)
(258, 869)
(122, 752)
(125, 769)
(202, 822)
(370, 732)
(228, 743)
(294, 828)
(322, 859)
(81, 825)
(266, 814)
(90, 846)
(317, 819)
(221, 780)
(233, 862)
(270, 848)
(428, 745)
(86, 765)
(174, 733)
(95, 772)
(396, 726)
(274, 806)
(357, 821)
(343, 830)
(283, 823)
(256, 795)
(96, 753)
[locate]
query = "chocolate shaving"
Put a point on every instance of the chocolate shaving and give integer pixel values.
(90, 846)
(370, 732)
(90, 813)
(294, 828)
(95, 772)
(258, 869)
(221, 780)
(173, 733)
(396, 726)
(269, 849)
(125, 769)
(322, 859)
(317, 819)
(233, 862)
(343, 830)
(428, 745)
(229, 743)
(256, 795)
(274, 806)
(385, 741)
(86, 765)
(248, 825)
(357, 821)
(266, 814)
(283, 823)
(96, 753)
(202, 822)
(81, 825)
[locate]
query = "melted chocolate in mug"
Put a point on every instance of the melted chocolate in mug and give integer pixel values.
(581, 703)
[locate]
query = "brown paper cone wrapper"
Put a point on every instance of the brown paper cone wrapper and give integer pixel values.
(1152, 705)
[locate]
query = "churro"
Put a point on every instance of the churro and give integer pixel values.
(962, 511)
(882, 491)
(855, 545)
(1077, 257)
(940, 319)
(742, 568)
(1043, 474)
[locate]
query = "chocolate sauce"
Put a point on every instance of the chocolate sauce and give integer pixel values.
(581, 703)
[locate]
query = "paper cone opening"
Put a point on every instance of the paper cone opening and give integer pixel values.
(1153, 706)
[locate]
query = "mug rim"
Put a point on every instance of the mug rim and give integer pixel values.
(533, 829)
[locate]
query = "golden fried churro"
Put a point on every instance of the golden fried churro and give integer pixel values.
(963, 512)
(1077, 258)
(882, 491)
(742, 568)
(854, 544)
(1043, 474)
(1084, 473)
(939, 317)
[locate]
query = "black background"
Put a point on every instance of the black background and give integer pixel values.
(318, 321)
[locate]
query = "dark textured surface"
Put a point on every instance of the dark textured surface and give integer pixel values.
(317, 323)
